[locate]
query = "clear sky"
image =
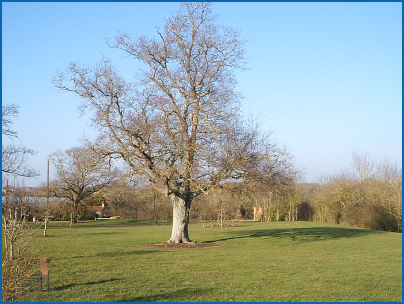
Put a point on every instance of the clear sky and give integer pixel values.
(326, 77)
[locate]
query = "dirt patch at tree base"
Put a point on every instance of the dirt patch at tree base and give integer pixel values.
(181, 245)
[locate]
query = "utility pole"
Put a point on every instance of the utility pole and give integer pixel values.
(47, 205)
(47, 201)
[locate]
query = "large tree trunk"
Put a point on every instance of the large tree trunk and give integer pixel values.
(181, 207)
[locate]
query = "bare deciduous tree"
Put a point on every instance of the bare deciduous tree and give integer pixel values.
(179, 126)
(390, 189)
(362, 165)
(14, 158)
(80, 172)
(18, 246)
(8, 111)
(14, 161)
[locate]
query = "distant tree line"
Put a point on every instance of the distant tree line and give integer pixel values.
(369, 196)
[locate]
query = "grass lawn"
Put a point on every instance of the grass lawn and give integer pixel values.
(285, 261)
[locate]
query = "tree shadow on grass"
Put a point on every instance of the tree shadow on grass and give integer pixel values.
(68, 286)
(302, 235)
(104, 233)
(122, 253)
(111, 254)
(181, 295)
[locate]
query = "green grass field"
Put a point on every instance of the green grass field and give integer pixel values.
(285, 261)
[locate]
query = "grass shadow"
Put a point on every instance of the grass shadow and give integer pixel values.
(312, 234)
(181, 295)
(111, 254)
(122, 253)
(102, 233)
(68, 286)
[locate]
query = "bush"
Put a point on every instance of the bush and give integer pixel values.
(15, 275)
(17, 246)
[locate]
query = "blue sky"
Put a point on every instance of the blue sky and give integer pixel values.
(326, 77)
